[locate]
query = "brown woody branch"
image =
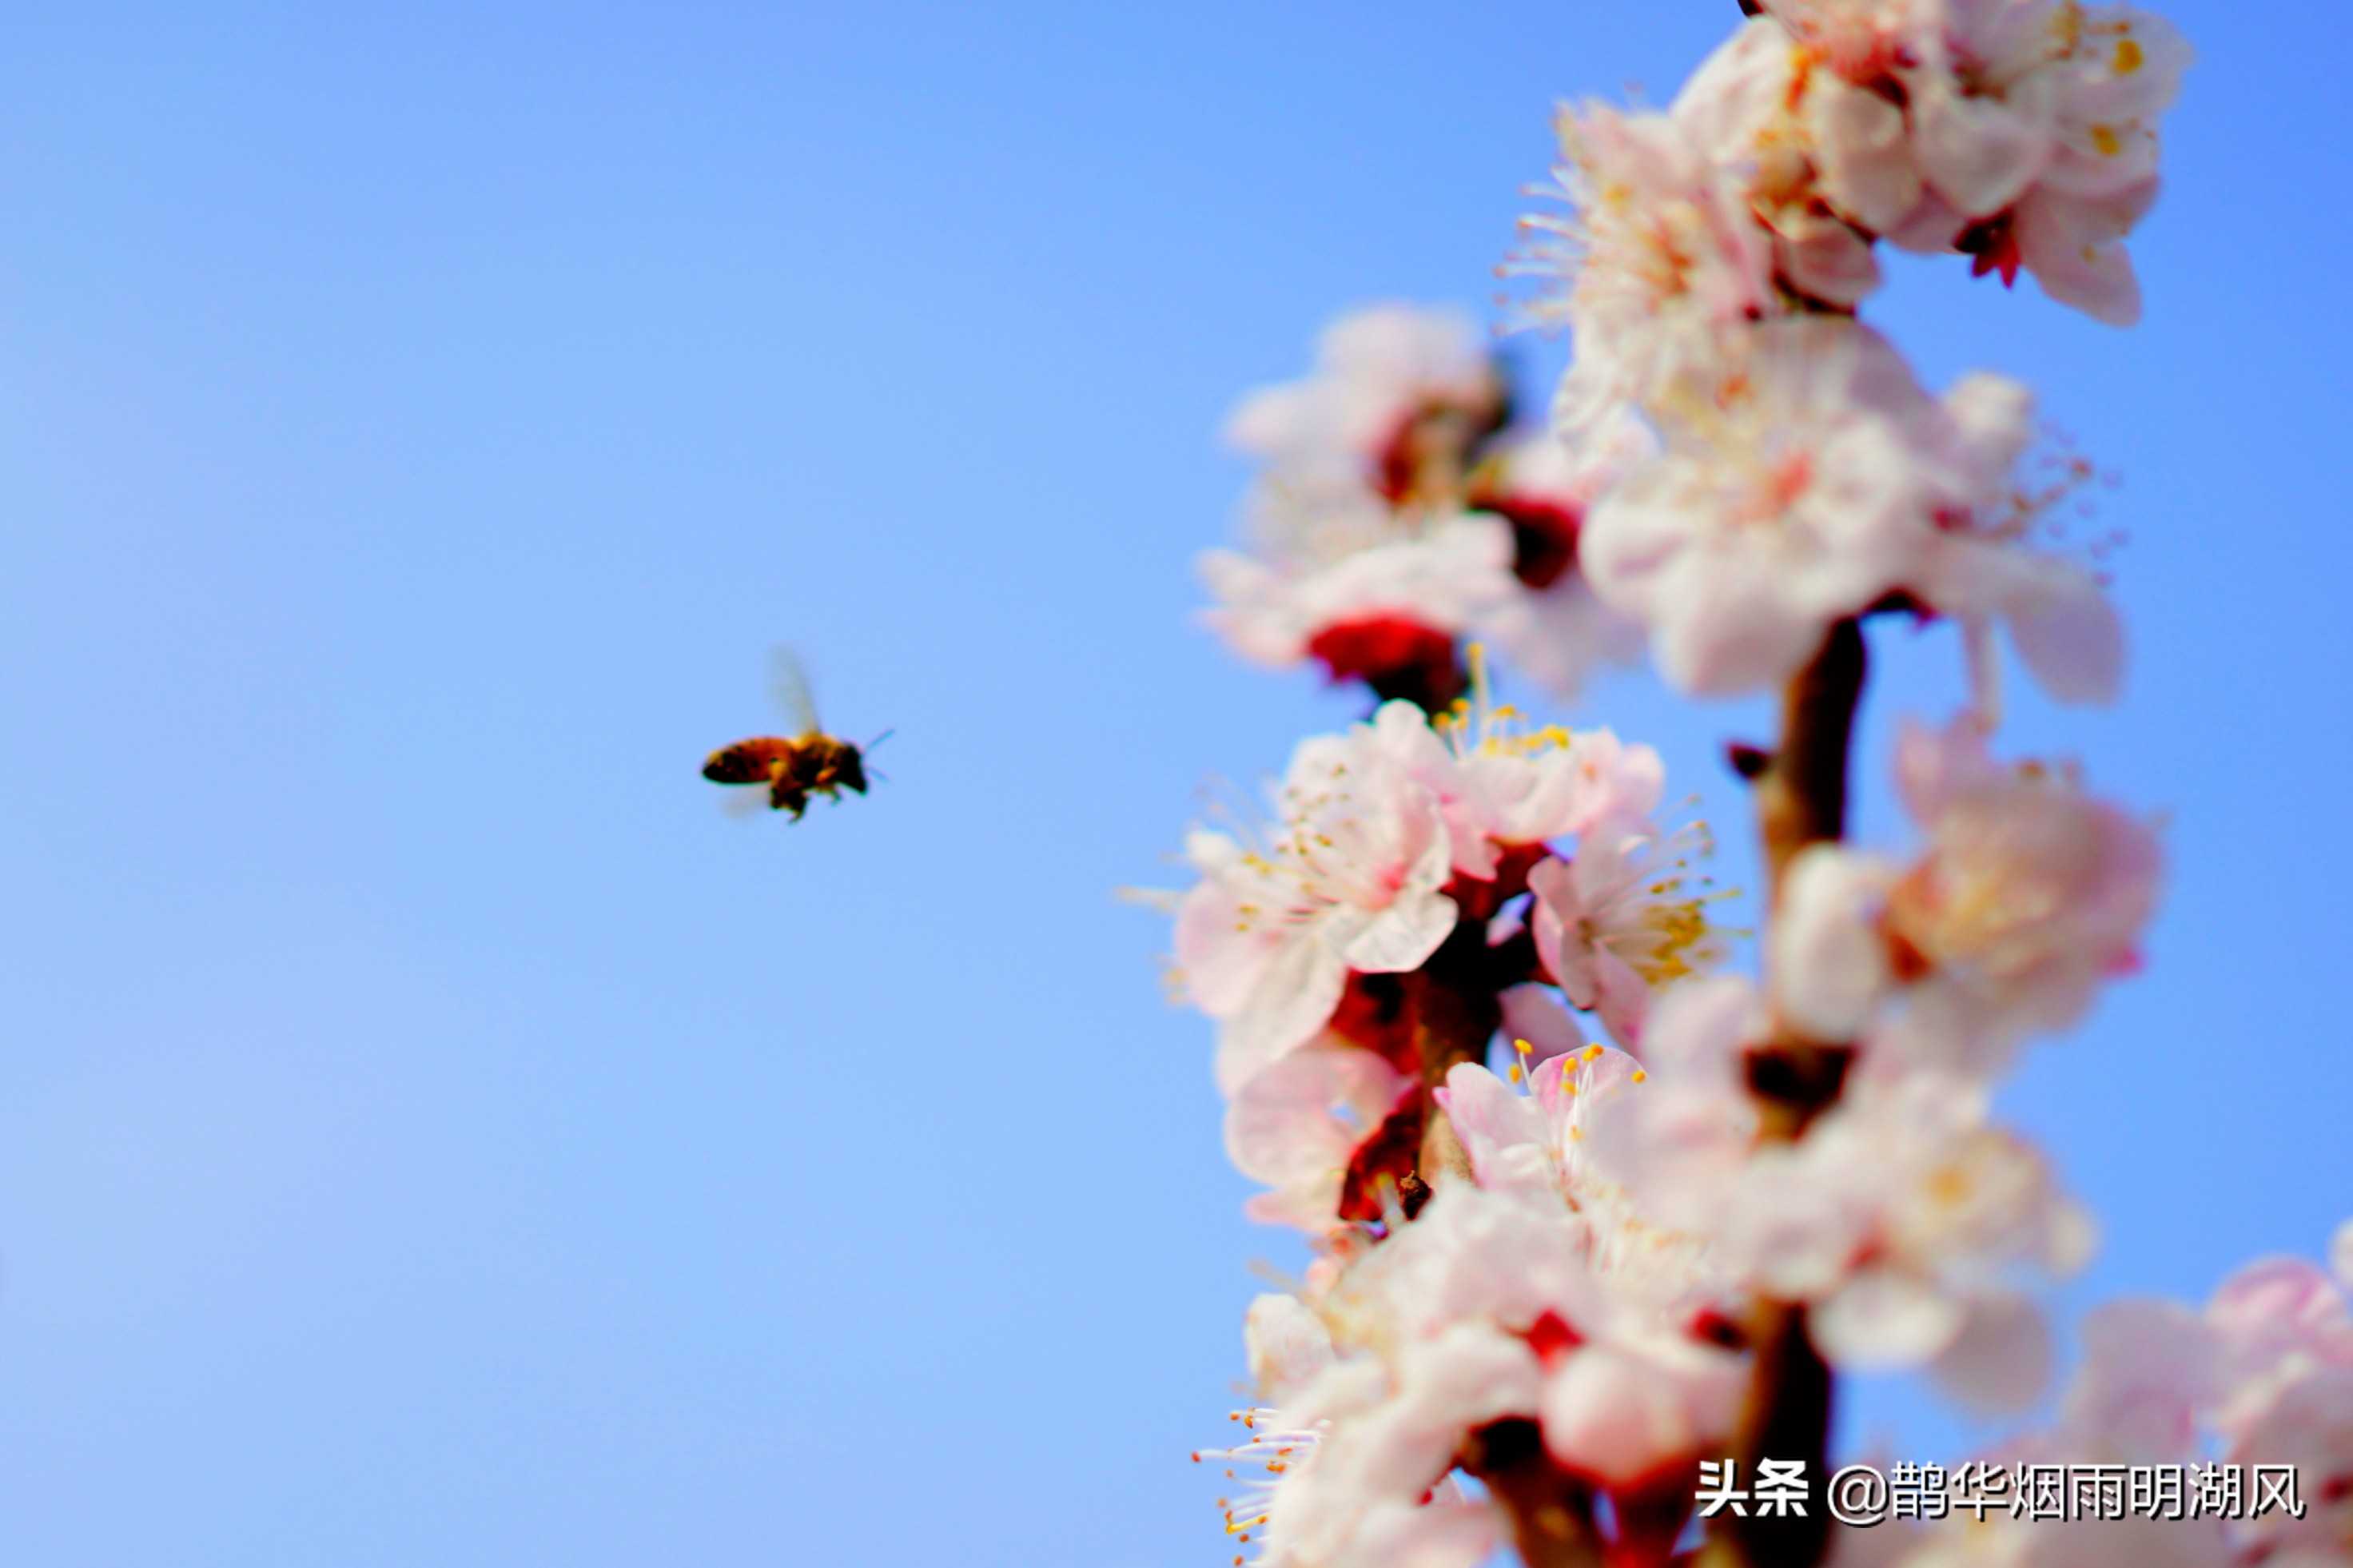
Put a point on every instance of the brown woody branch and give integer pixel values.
(1551, 1510)
(1455, 1013)
(1801, 796)
(1801, 790)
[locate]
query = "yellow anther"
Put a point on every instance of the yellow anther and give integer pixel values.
(2106, 139)
(2128, 56)
(1640, 1077)
(1593, 1053)
(1514, 1072)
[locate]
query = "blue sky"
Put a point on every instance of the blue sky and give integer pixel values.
(429, 1132)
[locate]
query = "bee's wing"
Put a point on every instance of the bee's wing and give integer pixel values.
(788, 682)
(744, 802)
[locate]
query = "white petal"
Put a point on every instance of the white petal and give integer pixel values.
(2073, 247)
(2070, 637)
(1287, 1344)
(1294, 1001)
(1624, 1416)
(1829, 960)
(1999, 1364)
(1981, 152)
(1403, 935)
(1534, 1013)
(1883, 1318)
(1865, 158)
(1302, 1116)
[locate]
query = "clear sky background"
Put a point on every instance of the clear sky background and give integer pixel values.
(431, 1132)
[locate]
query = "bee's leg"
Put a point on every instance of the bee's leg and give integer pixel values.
(785, 793)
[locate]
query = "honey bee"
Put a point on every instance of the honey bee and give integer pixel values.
(811, 763)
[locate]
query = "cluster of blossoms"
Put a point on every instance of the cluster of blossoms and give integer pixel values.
(1572, 1282)
(1711, 264)
(2261, 1378)
(1399, 512)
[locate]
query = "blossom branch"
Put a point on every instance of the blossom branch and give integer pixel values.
(1615, 1285)
(1801, 784)
(1801, 789)
(1455, 1013)
(1551, 1510)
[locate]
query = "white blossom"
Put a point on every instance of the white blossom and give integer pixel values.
(1363, 598)
(1622, 920)
(1378, 371)
(1901, 1216)
(1805, 495)
(1349, 879)
(2028, 894)
(1658, 269)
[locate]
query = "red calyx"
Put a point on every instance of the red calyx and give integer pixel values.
(1393, 655)
(1551, 1337)
(1994, 243)
(1373, 1013)
(1544, 536)
(1398, 462)
(1480, 900)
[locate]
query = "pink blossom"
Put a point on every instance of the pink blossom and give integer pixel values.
(2027, 895)
(2147, 1366)
(1622, 920)
(1627, 1410)
(1499, 785)
(2307, 1425)
(1370, 1490)
(2035, 125)
(1447, 575)
(1825, 162)
(2030, 891)
(1803, 497)
(1981, 567)
(1357, 549)
(1565, 1331)
(1378, 371)
(1900, 1216)
(1507, 786)
(1830, 967)
(2278, 1320)
(1657, 270)
(1535, 1017)
(1859, 41)
(1531, 1142)
(1350, 880)
(1287, 1344)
